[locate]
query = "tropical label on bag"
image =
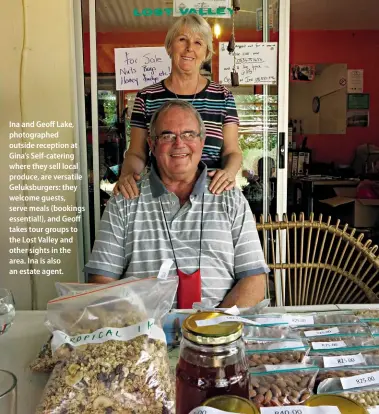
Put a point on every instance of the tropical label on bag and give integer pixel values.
(343, 360)
(102, 335)
(328, 345)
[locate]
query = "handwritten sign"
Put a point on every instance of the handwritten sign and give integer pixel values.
(256, 63)
(139, 67)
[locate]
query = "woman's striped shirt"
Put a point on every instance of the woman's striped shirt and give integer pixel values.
(216, 106)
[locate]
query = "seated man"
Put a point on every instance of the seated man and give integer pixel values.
(176, 217)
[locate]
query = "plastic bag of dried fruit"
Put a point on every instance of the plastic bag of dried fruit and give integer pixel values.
(45, 360)
(276, 385)
(117, 358)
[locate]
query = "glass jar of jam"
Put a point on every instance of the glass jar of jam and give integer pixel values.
(211, 362)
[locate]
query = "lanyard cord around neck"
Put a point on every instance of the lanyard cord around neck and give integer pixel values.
(169, 235)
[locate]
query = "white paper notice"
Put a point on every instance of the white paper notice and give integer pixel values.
(328, 345)
(323, 409)
(355, 81)
(256, 63)
(363, 380)
(137, 67)
(299, 320)
(322, 332)
(226, 318)
(343, 360)
(373, 410)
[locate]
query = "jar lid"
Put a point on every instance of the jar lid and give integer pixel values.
(231, 404)
(222, 333)
(345, 405)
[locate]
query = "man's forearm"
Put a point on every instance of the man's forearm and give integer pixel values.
(100, 279)
(246, 293)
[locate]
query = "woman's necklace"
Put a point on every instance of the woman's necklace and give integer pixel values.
(197, 84)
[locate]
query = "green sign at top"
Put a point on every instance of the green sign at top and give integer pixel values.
(220, 11)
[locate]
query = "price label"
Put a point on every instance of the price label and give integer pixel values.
(343, 361)
(226, 318)
(373, 410)
(285, 345)
(363, 380)
(328, 345)
(299, 320)
(323, 409)
(208, 410)
(322, 332)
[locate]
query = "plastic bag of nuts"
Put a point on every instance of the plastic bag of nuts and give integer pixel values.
(343, 372)
(367, 313)
(280, 332)
(345, 346)
(117, 358)
(272, 386)
(332, 331)
(336, 318)
(366, 396)
(276, 352)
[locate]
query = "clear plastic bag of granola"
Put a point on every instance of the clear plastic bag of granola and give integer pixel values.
(116, 359)
(64, 289)
(45, 360)
(275, 385)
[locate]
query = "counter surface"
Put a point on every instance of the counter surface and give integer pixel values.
(21, 344)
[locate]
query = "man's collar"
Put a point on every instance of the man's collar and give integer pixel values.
(158, 188)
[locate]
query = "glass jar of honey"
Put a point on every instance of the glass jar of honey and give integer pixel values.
(211, 362)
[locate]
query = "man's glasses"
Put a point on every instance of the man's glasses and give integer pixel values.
(188, 136)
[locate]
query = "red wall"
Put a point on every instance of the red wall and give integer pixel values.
(359, 50)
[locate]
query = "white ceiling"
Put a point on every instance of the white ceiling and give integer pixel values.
(117, 15)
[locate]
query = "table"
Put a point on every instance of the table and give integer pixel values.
(21, 344)
(18, 347)
(308, 184)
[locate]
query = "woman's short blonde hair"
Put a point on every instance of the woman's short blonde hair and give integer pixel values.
(195, 24)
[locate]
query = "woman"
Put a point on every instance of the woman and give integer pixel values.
(189, 44)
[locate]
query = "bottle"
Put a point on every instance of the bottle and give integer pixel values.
(211, 363)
